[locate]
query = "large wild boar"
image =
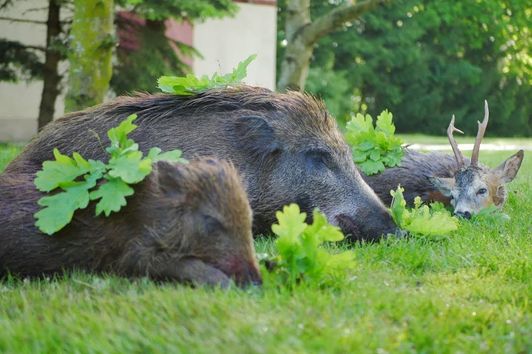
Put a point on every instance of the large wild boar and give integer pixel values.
(286, 147)
(188, 223)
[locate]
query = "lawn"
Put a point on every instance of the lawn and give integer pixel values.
(466, 293)
(442, 139)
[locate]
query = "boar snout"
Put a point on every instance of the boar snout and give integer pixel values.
(366, 228)
(250, 277)
(243, 272)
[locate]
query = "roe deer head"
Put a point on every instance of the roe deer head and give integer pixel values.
(475, 186)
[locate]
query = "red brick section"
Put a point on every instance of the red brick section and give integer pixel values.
(127, 30)
(128, 24)
(180, 32)
(259, 2)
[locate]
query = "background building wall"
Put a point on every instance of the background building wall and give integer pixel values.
(223, 43)
(19, 103)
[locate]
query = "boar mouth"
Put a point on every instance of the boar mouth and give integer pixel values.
(243, 273)
(250, 277)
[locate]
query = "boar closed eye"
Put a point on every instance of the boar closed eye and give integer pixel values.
(317, 159)
(212, 224)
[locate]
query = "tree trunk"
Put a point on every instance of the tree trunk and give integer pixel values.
(91, 50)
(302, 33)
(51, 77)
(294, 66)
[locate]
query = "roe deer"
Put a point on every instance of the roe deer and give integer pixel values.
(464, 184)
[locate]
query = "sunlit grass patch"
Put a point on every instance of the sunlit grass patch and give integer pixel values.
(468, 292)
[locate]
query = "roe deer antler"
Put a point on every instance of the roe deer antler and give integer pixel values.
(480, 134)
(457, 153)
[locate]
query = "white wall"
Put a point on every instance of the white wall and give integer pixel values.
(225, 42)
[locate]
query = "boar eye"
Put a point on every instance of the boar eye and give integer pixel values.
(317, 158)
(212, 224)
(482, 191)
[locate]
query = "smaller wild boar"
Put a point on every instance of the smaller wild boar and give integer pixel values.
(188, 223)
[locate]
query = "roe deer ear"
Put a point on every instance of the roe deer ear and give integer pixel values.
(256, 136)
(509, 168)
(444, 185)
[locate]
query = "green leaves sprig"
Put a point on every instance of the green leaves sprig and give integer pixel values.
(422, 219)
(190, 84)
(374, 148)
(301, 256)
(77, 179)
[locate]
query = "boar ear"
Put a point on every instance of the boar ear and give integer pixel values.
(168, 178)
(444, 185)
(509, 168)
(256, 136)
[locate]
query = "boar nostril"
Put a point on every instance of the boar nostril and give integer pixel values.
(255, 276)
(463, 214)
(368, 228)
(248, 277)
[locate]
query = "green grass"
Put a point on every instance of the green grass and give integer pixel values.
(466, 293)
(7, 153)
(442, 139)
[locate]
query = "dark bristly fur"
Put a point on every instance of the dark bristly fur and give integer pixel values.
(188, 223)
(285, 146)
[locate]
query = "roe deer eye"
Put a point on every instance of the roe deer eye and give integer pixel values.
(482, 191)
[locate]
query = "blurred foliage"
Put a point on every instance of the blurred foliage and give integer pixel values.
(180, 9)
(427, 59)
(134, 70)
(18, 62)
(138, 69)
(5, 3)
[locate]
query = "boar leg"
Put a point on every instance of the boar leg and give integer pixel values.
(194, 271)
